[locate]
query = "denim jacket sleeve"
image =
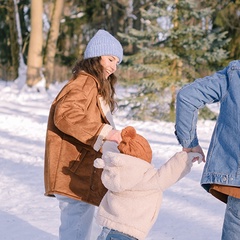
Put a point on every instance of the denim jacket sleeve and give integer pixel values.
(193, 96)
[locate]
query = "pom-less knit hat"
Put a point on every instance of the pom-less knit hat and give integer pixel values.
(135, 145)
(103, 43)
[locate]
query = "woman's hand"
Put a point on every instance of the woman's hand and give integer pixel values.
(114, 135)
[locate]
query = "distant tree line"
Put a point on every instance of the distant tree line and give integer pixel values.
(167, 43)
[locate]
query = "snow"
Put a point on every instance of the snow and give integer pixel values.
(188, 211)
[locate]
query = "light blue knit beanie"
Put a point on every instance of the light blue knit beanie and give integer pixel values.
(103, 43)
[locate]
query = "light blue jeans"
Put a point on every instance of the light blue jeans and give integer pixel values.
(110, 234)
(76, 219)
(231, 224)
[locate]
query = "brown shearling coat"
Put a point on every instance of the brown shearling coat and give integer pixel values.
(78, 121)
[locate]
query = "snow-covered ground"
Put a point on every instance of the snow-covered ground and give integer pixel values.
(187, 212)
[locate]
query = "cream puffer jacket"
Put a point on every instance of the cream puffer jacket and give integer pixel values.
(135, 189)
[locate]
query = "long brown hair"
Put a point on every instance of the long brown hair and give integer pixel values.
(94, 67)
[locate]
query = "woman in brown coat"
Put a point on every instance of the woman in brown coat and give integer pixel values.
(80, 119)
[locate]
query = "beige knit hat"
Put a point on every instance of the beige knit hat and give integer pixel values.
(135, 145)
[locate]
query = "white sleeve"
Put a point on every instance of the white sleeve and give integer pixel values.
(174, 169)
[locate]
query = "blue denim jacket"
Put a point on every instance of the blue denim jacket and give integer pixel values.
(223, 158)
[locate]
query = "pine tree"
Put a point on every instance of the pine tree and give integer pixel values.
(228, 18)
(175, 45)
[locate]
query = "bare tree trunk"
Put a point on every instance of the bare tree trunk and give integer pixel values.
(52, 41)
(172, 103)
(34, 61)
(13, 38)
(21, 64)
(177, 70)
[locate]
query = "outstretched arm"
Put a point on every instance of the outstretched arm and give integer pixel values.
(176, 168)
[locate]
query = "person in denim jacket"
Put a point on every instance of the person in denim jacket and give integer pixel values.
(221, 174)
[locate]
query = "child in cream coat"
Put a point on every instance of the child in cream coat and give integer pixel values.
(135, 188)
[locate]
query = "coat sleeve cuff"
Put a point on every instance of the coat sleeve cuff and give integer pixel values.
(102, 135)
(187, 143)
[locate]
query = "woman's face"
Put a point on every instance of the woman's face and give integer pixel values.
(109, 64)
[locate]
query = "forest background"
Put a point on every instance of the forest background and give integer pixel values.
(167, 43)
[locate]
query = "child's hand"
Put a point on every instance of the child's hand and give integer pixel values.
(196, 149)
(99, 163)
(193, 157)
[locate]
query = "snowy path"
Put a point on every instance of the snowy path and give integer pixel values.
(187, 212)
